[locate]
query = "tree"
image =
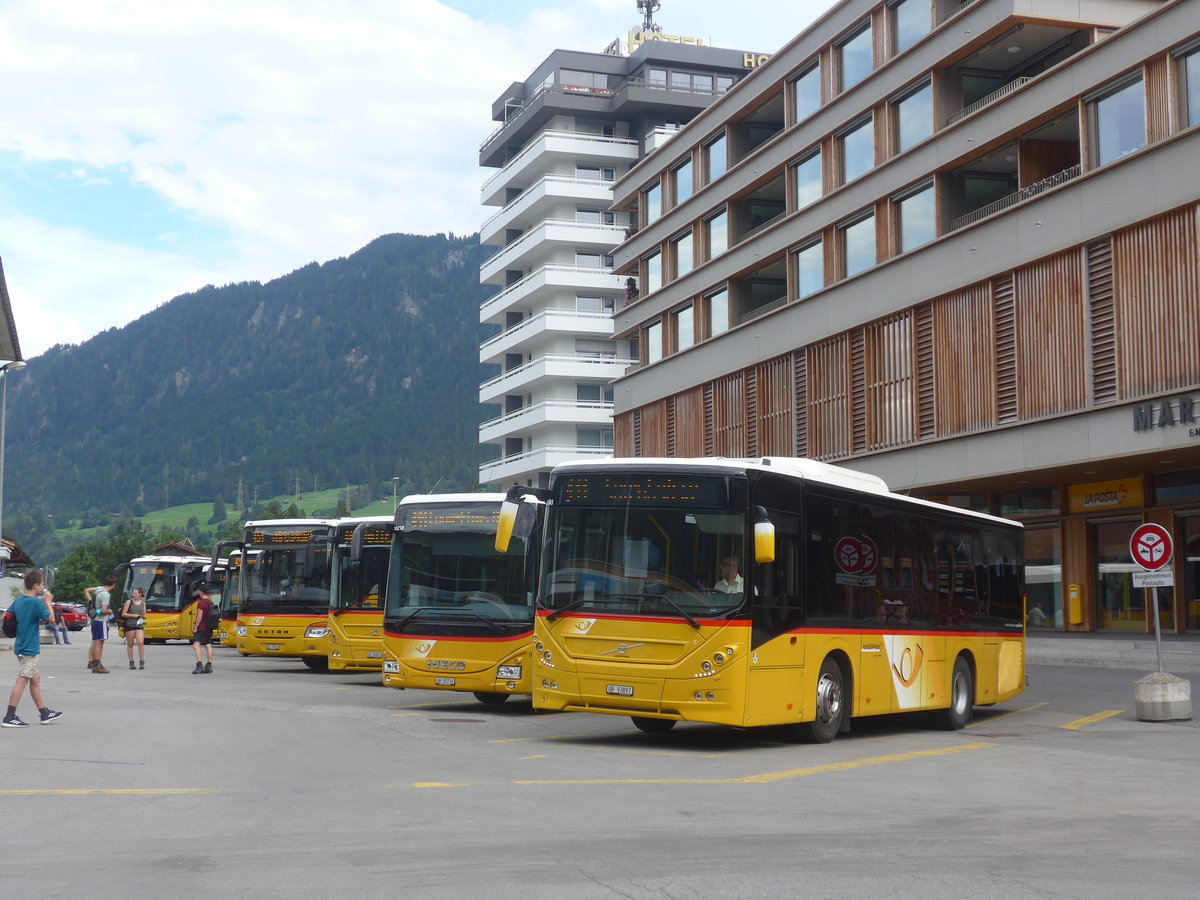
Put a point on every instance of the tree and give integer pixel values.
(218, 510)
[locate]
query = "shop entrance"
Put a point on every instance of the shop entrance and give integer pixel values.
(1119, 605)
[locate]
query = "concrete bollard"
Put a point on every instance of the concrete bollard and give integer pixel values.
(1160, 697)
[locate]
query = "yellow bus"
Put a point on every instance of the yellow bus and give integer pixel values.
(228, 599)
(774, 591)
(360, 567)
(459, 613)
(169, 584)
(283, 597)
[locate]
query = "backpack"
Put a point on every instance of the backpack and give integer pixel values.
(10, 624)
(212, 618)
(94, 605)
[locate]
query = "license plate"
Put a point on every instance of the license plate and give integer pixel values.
(444, 682)
(374, 656)
(272, 646)
(620, 690)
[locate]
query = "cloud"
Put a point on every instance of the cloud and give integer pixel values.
(298, 130)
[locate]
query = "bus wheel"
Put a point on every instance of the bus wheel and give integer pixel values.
(830, 693)
(316, 663)
(490, 699)
(653, 726)
(962, 698)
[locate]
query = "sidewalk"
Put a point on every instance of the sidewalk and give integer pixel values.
(1113, 650)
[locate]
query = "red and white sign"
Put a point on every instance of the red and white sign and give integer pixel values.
(856, 556)
(1150, 546)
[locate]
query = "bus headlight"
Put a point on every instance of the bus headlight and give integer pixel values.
(391, 665)
(316, 631)
(241, 631)
(509, 673)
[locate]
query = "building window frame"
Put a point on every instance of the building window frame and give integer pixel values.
(1096, 110)
(682, 173)
(894, 29)
(1187, 72)
(652, 342)
(711, 251)
(897, 203)
(840, 47)
(652, 272)
(866, 125)
(652, 202)
(716, 309)
(798, 111)
(813, 248)
(683, 327)
(683, 249)
(718, 144)
(896, 108)
(844, 229)
(813, 154)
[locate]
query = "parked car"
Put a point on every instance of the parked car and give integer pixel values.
(73, 614)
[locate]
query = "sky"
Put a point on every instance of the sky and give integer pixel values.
(148, 149)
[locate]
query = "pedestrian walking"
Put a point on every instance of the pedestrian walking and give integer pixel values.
(134, 615)
(99, 601)
(32, 608)
(202, 633)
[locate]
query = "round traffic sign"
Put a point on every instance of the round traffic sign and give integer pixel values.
(1150, 546)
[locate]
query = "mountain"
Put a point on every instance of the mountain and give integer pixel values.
(348, 372)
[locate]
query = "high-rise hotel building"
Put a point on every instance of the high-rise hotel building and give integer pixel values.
(953, 244)
(565, 134)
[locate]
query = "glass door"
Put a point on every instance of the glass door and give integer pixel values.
(1119, 605)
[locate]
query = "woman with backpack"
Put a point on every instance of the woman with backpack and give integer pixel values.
(134, 615)
(202, 633)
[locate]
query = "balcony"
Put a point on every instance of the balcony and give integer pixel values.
(549, 412)
(552, 321)
(537, 156)
(550, 368)
(546, 281)
(513, 468)
(1016, 197)
(538, 242)
(535, 202)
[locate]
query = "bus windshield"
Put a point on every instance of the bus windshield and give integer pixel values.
(446, 571)
(286, 576)
(359, 584)
(647, 544)
(160, 583)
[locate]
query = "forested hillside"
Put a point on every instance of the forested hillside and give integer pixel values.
(350, 372)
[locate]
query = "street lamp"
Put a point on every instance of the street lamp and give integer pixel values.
(14, 366)
(395, 487)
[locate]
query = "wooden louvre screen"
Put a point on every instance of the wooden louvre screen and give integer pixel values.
(1157, 305)
(800, 399)
(964, 344)
(1049, 323)
(623, 434)
(750, 378)
(829, 398)
(773, 410)
(926, 369)
(729, 411)
(888, 372)
(1103, 337)
(689, 423)
(652, 429)
(1005, 314)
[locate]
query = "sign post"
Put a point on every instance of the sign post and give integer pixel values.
(1151, 548)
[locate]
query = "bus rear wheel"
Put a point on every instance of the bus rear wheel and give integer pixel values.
(490, 699)
(652, 726)
(829, 704)
(962, 698)
(316, 663)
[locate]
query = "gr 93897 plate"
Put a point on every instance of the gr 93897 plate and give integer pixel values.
(444, 682)
(619, 690)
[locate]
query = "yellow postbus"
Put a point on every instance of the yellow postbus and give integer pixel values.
(169, 584)
(774, 591)
(363, 546)
(283, 589)
(459, 613)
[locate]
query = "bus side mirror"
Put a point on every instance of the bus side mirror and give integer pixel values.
(764, 536)
(504, 526)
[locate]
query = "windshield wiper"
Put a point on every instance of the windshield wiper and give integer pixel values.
(644, 596)
(574, 604)
(454, 614)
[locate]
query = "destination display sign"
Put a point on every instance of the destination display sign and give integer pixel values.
(466, 517)
(643, 489)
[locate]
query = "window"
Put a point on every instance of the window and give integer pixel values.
(1189, 81)
(652, 341)
(594, 349)
(585, 259)
(714, 159)
(583, 81)
(594, 437)
(653, 278)
(594, 216)
(858, 149)
(916, 223)
(718, 312)
(854, 57)
(595, 173)
(810, 268)
(724, 83)
(683, 327)
(656, 78)
(594, 304)
(682, 177)
(807, 179)
(1119, 120)
(858, 245)
(688, 81)
(682, 253)
(716, 235)
(914, 117)
(652, 202)
(806, 93)
(910, 23)
(594, 393)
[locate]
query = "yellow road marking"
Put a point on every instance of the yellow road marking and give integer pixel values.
(54, 792)
(1092, 720)
(1012, 712)
(442, 703)
(401, 715)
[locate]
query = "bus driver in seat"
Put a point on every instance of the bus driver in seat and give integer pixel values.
(731, 581)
